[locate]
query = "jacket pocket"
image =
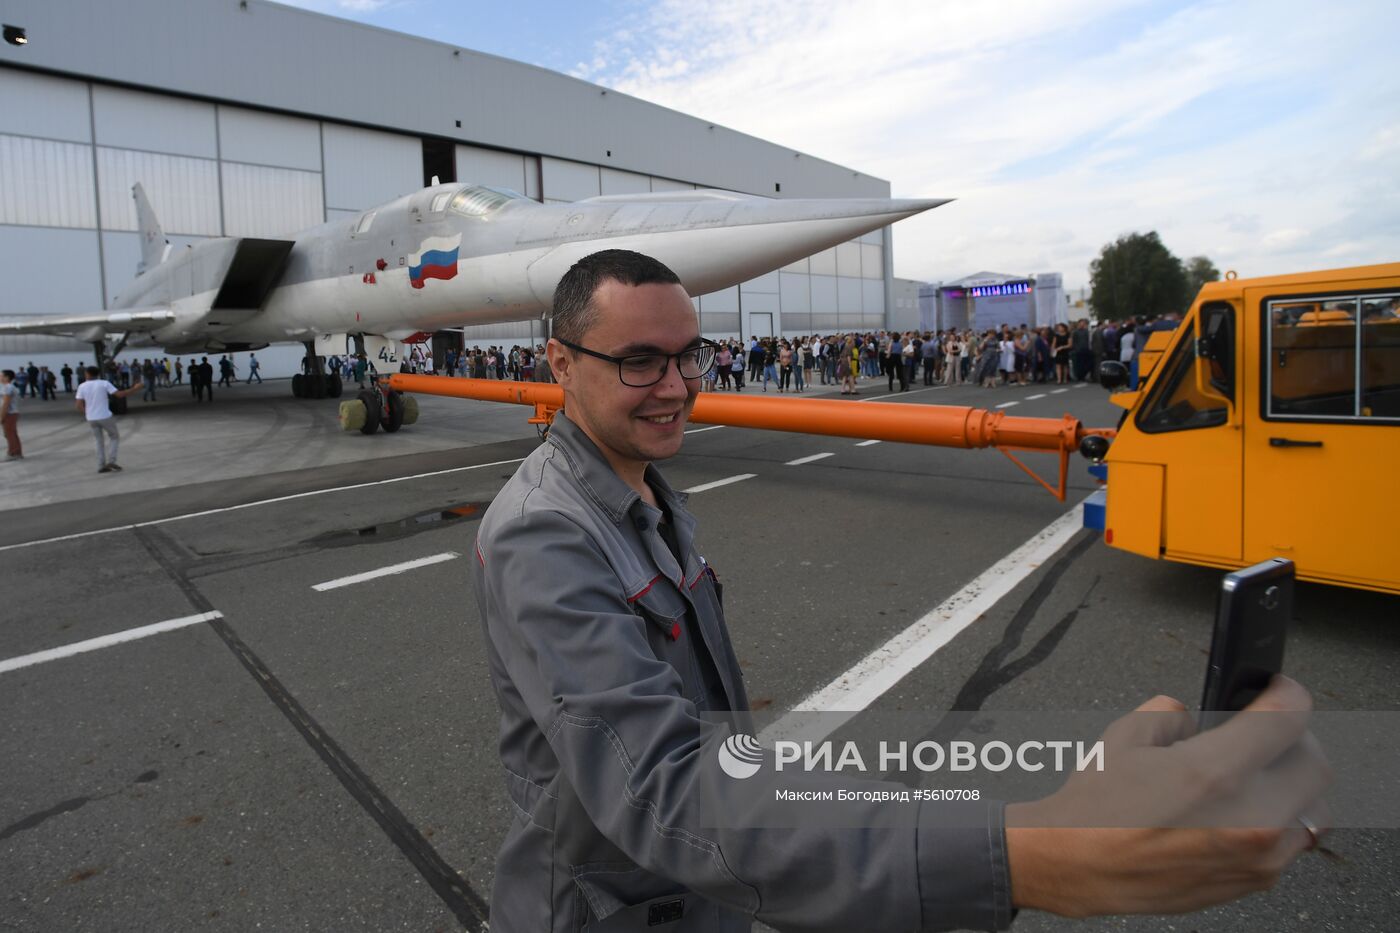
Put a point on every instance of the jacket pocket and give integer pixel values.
(625, 900)
(670, 637)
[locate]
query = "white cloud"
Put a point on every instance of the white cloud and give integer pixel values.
(1059, 126)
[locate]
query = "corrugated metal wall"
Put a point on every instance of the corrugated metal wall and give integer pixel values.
(268, 56)
(271, 202)
(45, 183)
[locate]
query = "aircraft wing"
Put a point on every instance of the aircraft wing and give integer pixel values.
(90, 327)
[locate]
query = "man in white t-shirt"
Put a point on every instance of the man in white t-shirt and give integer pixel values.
(94, 402)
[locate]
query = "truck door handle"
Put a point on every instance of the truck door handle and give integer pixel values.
(1289, 442)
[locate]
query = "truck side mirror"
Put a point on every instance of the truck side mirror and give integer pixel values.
(1112, 375)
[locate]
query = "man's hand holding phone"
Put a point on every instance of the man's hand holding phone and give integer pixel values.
(1178, 820)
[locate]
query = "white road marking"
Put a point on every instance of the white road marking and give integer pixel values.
(1007, 404)
(249, 505)
(105, 641)
(713, 427)
(1032, 398)
(829, 708)
(706, 487)
(866, 443)
(801, 460)
(1059, 392)
(876, 398)
(1082, 385)
(386, 571)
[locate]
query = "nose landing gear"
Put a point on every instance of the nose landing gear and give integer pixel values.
(378, 407)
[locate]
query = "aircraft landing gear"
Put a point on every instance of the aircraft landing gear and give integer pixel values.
(378, 407)
(313, 381)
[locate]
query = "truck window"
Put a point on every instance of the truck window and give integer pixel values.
(1333, 358)
(1380, 357)
(1176, 403)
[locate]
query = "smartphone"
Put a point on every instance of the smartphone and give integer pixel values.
(1251, 624)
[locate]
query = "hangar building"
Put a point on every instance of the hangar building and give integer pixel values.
(243, 117)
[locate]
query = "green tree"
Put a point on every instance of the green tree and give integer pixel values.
(1136, 275)
(1199, 271)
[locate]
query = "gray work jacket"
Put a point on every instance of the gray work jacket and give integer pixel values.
(603, 651)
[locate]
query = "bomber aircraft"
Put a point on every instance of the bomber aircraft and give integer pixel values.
(445, 256)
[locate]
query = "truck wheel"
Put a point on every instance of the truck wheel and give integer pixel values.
(395, 419)
(410, 409)
(371, 405)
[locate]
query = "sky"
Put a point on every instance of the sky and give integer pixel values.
(1263, 134)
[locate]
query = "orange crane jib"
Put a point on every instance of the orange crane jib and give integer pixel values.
(937, 425)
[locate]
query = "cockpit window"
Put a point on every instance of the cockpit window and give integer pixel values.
(480, 200)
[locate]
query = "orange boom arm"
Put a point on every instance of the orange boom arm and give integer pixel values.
(937, 425)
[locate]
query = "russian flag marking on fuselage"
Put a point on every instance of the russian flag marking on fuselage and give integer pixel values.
(436, 259)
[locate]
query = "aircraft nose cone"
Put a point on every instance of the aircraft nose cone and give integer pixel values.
(713, 242)
(908, 207)
(869, 213)
(895, 207)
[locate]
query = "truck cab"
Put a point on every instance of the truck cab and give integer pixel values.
(1265, 425)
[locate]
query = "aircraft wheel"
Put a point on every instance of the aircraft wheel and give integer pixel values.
(395, 419)
(352, 415)
(410, 409)
(334, 387)
(371, 406)
(299, 386)
(316, 385)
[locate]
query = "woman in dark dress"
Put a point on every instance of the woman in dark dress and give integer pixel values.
(1059, 345)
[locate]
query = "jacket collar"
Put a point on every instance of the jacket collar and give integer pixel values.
(598, 478)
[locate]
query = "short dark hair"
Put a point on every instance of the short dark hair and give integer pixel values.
(574, 313)
(8, 374)
(93, 371)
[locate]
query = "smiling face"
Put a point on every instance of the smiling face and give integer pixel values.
(631, 426)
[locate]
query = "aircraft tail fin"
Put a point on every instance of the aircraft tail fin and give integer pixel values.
(154, 246)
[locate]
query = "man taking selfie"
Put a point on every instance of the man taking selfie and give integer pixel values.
(607, 645)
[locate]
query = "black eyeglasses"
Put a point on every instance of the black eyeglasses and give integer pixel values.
(647, 369)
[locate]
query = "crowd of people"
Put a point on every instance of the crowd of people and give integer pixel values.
(994, 357)
(1006, 355)
(42, 382)
(1000, 356)
(521, 364)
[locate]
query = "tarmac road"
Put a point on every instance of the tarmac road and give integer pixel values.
(316, 759)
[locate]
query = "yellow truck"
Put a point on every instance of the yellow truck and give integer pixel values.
(1267, 424)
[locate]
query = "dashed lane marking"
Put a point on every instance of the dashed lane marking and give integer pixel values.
(706, 487)
(1032, 398)
(713, 427)
(386, 571)
(801, 460)
(1059, 391)
(866, 443)
(838, 702)
(876, 398)
(105, 641)
(1007, 404)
